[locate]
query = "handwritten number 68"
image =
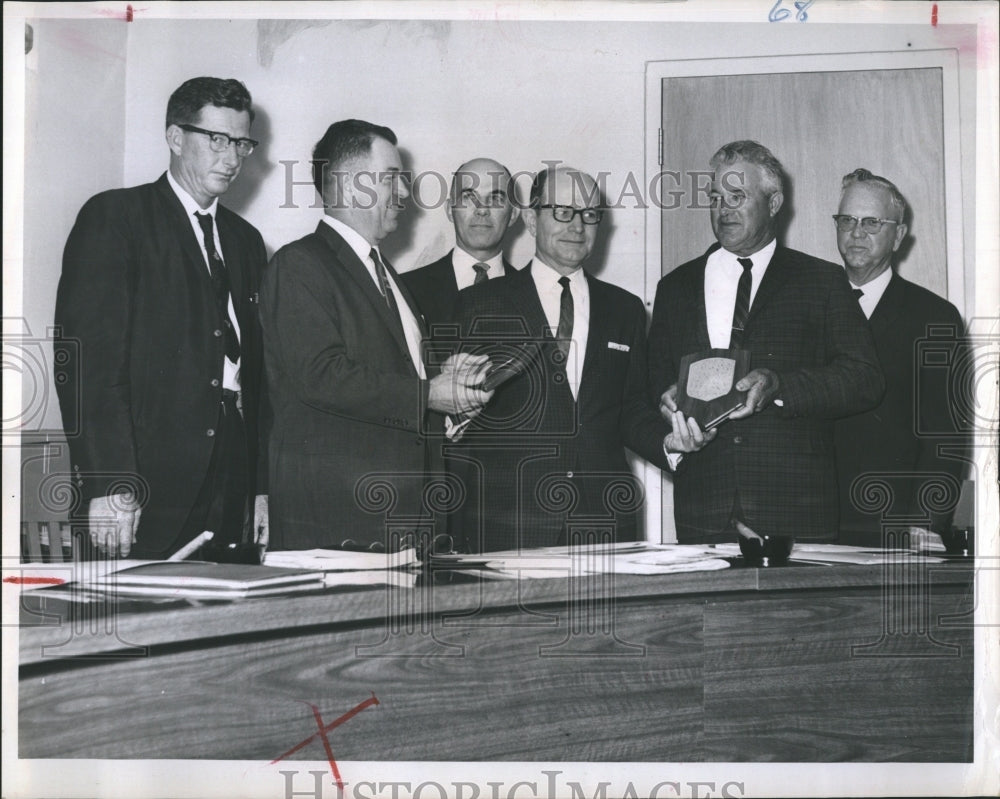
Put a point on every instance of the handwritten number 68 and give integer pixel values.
(778, 13)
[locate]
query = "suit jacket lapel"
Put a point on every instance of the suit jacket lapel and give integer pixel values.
(774, 279)
(406, 297)
(232, 257)
(597, 332)
(190, 246)
(888, 309)
(447, 274)
(528, 302)
(358, 272)
(701, 313)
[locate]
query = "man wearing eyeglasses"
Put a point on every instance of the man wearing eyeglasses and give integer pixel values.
(886, 442)
(770, 469)
(159, 360)
(548, 451)
(482, 209)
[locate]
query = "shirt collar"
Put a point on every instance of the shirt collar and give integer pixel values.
(354, 240)
(875, 288)
(760, 259)
(549, 274)
(460, 259)
(191, 206)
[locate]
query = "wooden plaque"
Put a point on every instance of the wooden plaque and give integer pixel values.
(706, 388)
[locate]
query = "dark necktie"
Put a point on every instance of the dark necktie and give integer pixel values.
(858, 294)
(383, 283)
(481, 276)
(742, 307)
(564, 333)
(220, 283)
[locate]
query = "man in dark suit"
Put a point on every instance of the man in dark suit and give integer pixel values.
(343, 341)
(160, 355)
(770, 469)
(545, 460)
(901, 442)
(481, 207)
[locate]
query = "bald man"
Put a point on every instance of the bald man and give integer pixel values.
(482, 209)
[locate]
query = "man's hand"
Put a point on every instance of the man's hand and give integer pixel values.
(746, 532)
(668, 403)
(113, 522)
(762, 386)
(686, 435)
(261, 530)
(454, 390)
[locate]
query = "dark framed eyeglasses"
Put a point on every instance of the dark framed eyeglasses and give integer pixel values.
(869, 224)
(565, 213)
(219, 142)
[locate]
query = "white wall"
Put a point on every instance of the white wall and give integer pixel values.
(521, 92)
(74, 138)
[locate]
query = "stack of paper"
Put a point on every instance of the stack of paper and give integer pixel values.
(327, 560)
(197, 579)
(837, 553)
(638, 557)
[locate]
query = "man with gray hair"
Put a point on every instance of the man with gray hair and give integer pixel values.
(770, 469)
(886, 442)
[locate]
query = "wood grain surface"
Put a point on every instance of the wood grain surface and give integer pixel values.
(764, 666)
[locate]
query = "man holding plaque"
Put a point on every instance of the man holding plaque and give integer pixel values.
(544, 463)
(791, 322)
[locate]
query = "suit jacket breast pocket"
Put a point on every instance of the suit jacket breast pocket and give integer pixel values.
(613, 363)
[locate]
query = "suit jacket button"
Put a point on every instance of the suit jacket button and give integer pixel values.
(210, 432)
(569, 475)
(215, 382)
(217, 333)
(737, 439)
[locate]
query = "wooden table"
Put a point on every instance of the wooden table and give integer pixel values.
(801, 663)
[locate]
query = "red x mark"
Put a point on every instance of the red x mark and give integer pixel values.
(323, 730)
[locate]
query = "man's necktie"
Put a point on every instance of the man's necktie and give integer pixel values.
(220, 283)
(742, 307)
(383, 283)
(481, 276)
(564, 333)
(858, 294)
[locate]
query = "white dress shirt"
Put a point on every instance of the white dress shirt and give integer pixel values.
(872, 291)
(465, 275)
(230, 370)
(722, 276)
(550, 294)
(411, 328)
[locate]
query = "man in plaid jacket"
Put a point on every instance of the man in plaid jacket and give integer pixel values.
(770, 470)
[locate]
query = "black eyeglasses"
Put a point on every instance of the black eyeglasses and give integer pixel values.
(869, 224)
(219, 142)
(565, 213)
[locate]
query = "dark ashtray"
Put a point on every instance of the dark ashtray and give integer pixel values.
(230, 553)
(772, 550)
(959, 543)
